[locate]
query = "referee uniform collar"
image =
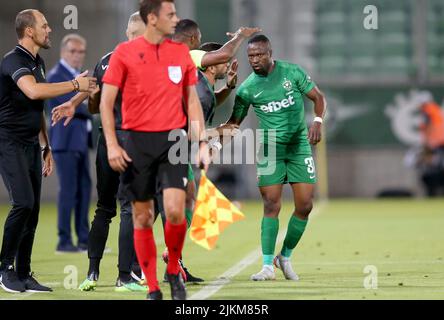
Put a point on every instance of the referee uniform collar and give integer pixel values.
(153, 45)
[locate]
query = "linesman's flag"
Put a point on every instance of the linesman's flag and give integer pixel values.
(213, 212)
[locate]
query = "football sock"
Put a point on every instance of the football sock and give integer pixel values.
(188, 216)
(174, 240)
(295, 230)
(269, 231)
(147, 255)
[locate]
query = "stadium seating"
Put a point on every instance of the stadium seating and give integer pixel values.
(435, 36)
(345, 46)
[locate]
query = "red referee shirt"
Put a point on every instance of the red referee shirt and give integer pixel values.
(152, 79)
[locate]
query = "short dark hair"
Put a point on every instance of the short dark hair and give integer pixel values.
(150, 6)
(186, 26)
(210, 46)
(259, 38)
(23, 20)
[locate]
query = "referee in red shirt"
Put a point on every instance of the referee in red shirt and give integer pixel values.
(156, 76)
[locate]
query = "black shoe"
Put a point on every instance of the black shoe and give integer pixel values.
(82, 247)
(32, 285)
(67, 248)
(10, 282)
(155, 295)
(190, 277)
(177, 285)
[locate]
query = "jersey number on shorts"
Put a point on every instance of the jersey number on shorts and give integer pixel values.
(310, 165)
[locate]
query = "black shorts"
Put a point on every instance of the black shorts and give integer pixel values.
(150, 163)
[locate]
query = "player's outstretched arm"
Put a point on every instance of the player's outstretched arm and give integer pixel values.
(41, 91)
(117, 156)
(320, 106)
(67, 109)
(229, 49)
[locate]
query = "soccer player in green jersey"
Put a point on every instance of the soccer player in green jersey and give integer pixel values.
(275, 90)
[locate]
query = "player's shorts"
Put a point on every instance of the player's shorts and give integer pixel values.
(149, 154)
(285, 165)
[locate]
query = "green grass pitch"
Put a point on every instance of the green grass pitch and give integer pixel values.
(403, 239)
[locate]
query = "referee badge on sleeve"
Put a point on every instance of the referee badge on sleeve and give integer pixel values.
(175, 74)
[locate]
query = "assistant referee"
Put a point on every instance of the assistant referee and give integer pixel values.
(23, 89)
(154, 75)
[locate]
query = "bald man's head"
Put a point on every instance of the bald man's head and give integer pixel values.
(136, 26)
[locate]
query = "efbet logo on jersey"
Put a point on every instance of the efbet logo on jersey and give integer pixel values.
(278, 105)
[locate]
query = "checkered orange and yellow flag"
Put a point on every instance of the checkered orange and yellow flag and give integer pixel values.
(213, 212)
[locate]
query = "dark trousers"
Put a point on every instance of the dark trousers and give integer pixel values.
(21, 170)
(108, 182)
(74, 194)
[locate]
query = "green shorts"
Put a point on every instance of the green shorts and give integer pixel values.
(285, 165)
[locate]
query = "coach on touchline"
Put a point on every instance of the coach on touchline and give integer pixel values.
(23, 89)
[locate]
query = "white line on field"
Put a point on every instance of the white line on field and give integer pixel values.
(252, 257)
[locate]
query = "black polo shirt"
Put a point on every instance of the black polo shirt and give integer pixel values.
(20, 117)
(99, 72)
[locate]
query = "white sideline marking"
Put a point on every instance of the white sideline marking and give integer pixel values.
(215, 285)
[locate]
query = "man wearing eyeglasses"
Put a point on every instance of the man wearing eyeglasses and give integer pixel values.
(70, 150)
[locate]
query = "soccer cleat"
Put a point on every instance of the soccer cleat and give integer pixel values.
(131, 286)
(155, 295)
(177, 285)
(10, 282)
(188, 276)
(90, 283)
(139, 278)
(284, 264)
(31, 285)
(266, 273)
(137, 275)
(181, 267)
